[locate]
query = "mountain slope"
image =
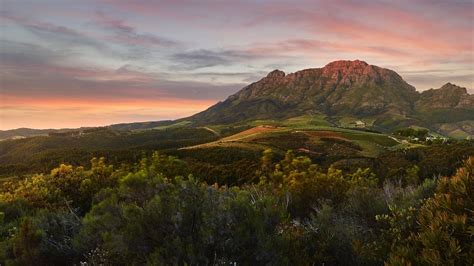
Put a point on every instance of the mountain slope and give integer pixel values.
(449, 110)
(346, 93)
(448, 96)
(341, 89)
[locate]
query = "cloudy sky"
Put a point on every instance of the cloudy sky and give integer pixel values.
(70, 63)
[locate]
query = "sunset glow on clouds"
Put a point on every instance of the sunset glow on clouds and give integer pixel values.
(63, 113)
(68, 63)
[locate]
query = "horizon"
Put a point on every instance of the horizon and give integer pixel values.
(68, 64)
(180, 117)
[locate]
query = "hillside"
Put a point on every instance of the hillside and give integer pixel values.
(345, 89)
(344, 114)
(342, 91)
(448, 96)
(19, 133)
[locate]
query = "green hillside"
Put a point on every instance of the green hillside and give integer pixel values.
(346, 92)
(322, 138)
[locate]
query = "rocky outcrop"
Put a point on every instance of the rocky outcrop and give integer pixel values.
(341, 88)
(448, 96)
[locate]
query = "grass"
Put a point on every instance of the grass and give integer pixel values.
(241, 137)
(406, 145)
(175, 125)
(458, 134)
(256, 131)
(349, 121)
(306, 121)
(217, 128)
(380, 139)
(316, 127)
(319, 131)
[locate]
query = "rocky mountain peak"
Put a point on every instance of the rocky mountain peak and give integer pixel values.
(344, 64)
(453, 87)
(276, 74)
(341, 88)
(448, 96)
(347, 71)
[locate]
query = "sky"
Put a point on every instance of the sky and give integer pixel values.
(69, 63)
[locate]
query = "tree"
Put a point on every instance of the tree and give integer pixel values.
(298, 180)
(445, 223)
(26, 244)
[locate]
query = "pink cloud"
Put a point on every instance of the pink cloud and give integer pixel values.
(360, 27)
(124, 33)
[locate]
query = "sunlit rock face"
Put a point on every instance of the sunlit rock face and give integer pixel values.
(341, 88)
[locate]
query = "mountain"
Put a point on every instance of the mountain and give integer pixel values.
(449, 109)
(343, 89)
(447, 97)
(339, 88)
(338, 114)
(340, 91)
(23, 133)
(20, 133)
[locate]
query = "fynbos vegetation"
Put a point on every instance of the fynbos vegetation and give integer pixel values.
(295, 213)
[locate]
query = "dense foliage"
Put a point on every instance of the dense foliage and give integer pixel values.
(419, 133)
(231, 165)
(295, 213)
(41, 154)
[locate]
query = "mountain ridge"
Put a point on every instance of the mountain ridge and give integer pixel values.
(341, 88)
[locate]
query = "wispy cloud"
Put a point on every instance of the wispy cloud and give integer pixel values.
(59, 35)
(33, 72)
(126, 34)
(202, 58)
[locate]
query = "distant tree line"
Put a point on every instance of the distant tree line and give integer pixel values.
(419, 133)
